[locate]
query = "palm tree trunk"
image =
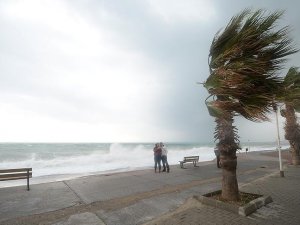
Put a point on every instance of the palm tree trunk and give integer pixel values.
(292, 133)
(225, 133)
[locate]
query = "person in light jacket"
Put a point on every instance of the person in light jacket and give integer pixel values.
(164, 158)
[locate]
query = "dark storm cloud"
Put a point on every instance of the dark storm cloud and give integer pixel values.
(183, 47)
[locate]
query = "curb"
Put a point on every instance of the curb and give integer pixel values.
(241, 210)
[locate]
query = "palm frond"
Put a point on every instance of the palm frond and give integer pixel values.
(291, 89)
(244, 61)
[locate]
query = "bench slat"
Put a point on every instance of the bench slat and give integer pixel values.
(5, 176)
(13, 178)
(191, 157)
(15, 170)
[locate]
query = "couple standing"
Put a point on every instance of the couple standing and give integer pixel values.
(160, 154)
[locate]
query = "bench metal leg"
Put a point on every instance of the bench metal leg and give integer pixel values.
(27, 180)
(181, 165)
(195, 164)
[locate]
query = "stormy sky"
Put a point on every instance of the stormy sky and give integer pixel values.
(116, 70)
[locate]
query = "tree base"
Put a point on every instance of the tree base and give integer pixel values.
(250, 203)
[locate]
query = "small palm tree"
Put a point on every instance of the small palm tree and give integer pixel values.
(291, 98)
(243, 61)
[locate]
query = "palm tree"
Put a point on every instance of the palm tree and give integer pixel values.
(243, 60)
(291, 98)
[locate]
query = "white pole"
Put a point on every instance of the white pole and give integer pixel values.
(278, 143)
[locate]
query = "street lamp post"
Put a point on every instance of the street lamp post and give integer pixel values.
(278, 142)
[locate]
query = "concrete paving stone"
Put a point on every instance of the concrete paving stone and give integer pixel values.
(249, 164)
(205, 215)
(285, 208)
(245, 178)
(97, 189)
(202, 174)
(82, 219)
(178, 180)
(143, 211)
(102, 179)
(201, 189)
(155, 177)
(139, 171)
(17, 201)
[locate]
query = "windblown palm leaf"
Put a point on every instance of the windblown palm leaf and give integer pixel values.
(244, 59)
(291, 88)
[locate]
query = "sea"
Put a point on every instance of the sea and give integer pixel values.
(61, 161)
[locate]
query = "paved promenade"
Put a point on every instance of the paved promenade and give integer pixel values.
(143, 197)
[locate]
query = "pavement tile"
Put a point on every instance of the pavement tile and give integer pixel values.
(82, 219)
(253, 172)
(17, 201)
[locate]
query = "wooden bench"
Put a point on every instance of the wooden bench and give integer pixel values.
(16, 174)
(193, 159)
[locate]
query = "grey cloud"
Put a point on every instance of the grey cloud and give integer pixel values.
(181, 48)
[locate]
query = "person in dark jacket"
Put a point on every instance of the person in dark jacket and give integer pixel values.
(157, 158)
(217, 153)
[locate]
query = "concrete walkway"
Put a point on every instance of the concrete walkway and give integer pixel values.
(140, 196)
